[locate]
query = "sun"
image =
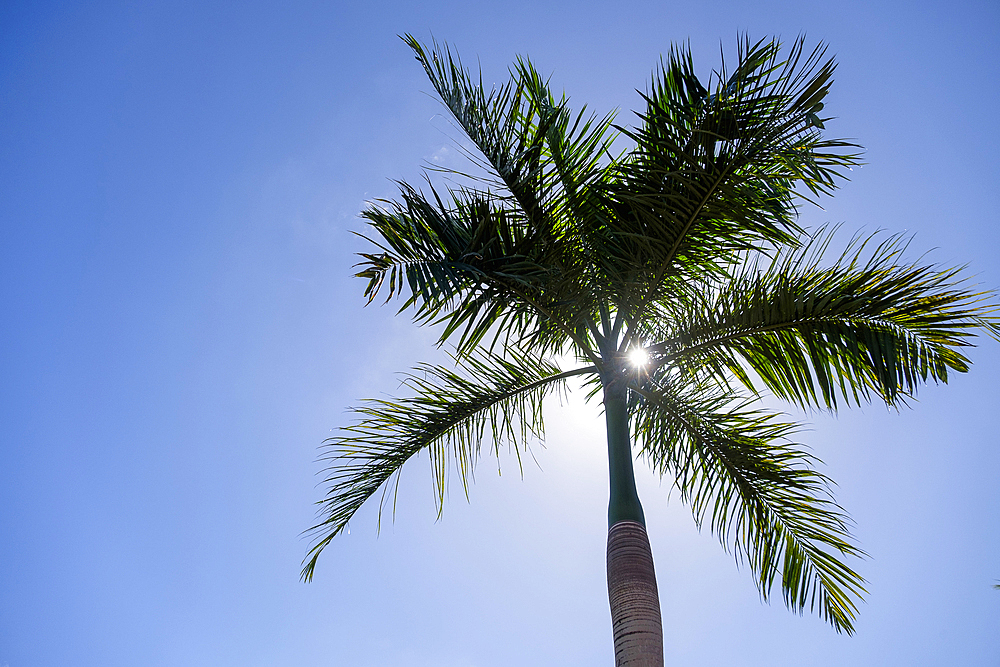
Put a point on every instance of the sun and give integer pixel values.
(638, 357)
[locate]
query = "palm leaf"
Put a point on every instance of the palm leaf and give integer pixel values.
(473, 264)
(550, 164)
(758, 493)
(506, 124)
(869, 324)
(717, 167)
(449, 415)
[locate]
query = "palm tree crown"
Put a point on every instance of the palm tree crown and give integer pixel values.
(685, 244)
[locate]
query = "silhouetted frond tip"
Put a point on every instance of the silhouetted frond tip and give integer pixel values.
(449, 415)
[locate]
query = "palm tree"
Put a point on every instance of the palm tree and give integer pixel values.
(674, 277)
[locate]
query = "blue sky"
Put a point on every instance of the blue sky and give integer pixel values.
(179, 331)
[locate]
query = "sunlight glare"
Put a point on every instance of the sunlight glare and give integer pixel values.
(638, 357)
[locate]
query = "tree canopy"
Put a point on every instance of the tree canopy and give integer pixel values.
(575, 240)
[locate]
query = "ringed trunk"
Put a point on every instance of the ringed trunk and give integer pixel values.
(632, 593)
(635, 604)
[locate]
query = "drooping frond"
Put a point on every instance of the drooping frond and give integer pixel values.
(870, 323)
(449, 416)
(757, 492)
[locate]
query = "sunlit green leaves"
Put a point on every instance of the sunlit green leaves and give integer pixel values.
(811, 330)
(468, 262)
(573, 235)
(756, 491)
(716, 167)
(450, 414)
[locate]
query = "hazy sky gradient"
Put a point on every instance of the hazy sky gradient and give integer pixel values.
(179, 331)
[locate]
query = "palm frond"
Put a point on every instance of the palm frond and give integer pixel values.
(871, 323)
(476, 266)
(551, 164)
(579, 149)
(507, 125)
(758, 493)
(449, 415)
(718, 166)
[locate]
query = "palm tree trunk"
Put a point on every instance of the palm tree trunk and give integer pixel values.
(635, 603)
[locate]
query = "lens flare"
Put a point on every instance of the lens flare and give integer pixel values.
(638, 357)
